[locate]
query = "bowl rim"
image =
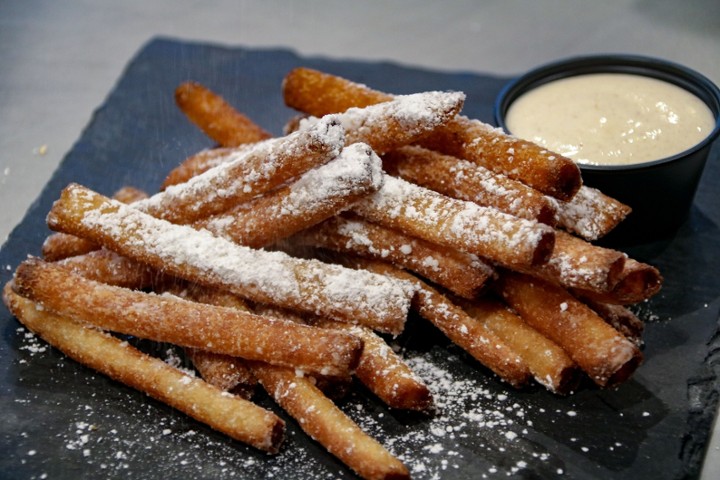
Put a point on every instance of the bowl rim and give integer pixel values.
(653, 67)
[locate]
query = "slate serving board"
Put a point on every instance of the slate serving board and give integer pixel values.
(63, 420)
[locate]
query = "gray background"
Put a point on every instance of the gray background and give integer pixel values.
(59, 59)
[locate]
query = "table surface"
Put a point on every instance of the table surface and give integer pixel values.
(61, 59)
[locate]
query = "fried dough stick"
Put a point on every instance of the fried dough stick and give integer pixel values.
(201, 162)
(216, 117)
(167, 318)
(383, 372)
(576, 263)
(469, 334)
(465, 226)
(590, 214)
(549, 364)
(325, 423)
(401, 120)
(465, 180)
(231, 415)
(317, 195)
(267, 277)
(637, 282)
(601, 351)
(247, 173)
(317, 93)
(108, 267)
(60, 245)
(461, 273)
(621, 319)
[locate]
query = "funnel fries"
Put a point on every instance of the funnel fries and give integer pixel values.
(214, 116)
(231, 415)
(248, 173)
(328, 425)
(465, 226)
(265, 277)
(167, 318)
(600, 350)
(314, 197)
(590, 214)
(464, 180)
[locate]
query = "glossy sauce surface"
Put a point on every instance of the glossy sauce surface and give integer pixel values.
(611, 119)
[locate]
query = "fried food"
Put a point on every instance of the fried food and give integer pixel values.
(108, 267)
(247, 173)
(317, 195)
(465, 226)
(262, 276)
(548, 362)
(620, 318)
(215, 117)
(601, 351)
(168, 318)
(201, 162)
(590, 214)
(465, 180)
(469, 334)
(325, 423)
(461, 273)
(401, 120)
(238, 418)
(317, 93)
(637, 282)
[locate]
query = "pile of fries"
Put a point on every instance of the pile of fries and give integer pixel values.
(290, 262)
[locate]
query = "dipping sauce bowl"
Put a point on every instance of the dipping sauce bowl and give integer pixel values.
(621, 122)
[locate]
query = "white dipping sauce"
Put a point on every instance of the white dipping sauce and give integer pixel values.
(611, 118)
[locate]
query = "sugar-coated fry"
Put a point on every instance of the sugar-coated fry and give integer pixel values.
(469, 334)
(601, 351)
(108, 267)
(638, 281)
(229, 414)
(548, 362)
(201, 162)
(400, 121)
(168, 318)
(325, 423)
(317, 93)
(621, 318)
(250, 172)
(262, 276)
(590, 214)
(465, 226)
(214, 116)
(61, 245)
(461, 273)
(317, 195)
(465, 180)
(576, 263)
(383, 371)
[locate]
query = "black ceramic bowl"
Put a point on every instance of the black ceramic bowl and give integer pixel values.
(660, 192)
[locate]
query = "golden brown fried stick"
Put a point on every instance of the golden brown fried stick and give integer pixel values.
(215, 117)
(60, 245)
(469, 334)
(384, 372)
(590, 214)
(465, 226)
(637, 282)
(465, 180)
(167, 318)
(265, 277)
(601, 351)
(576, 263)
(461, 273)
(231, 415)
(549, 363)
(402, 120)
(317, 93)
(108, 267)
(317, 195)
(248, 173)
(621, 319)
(325, 423)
